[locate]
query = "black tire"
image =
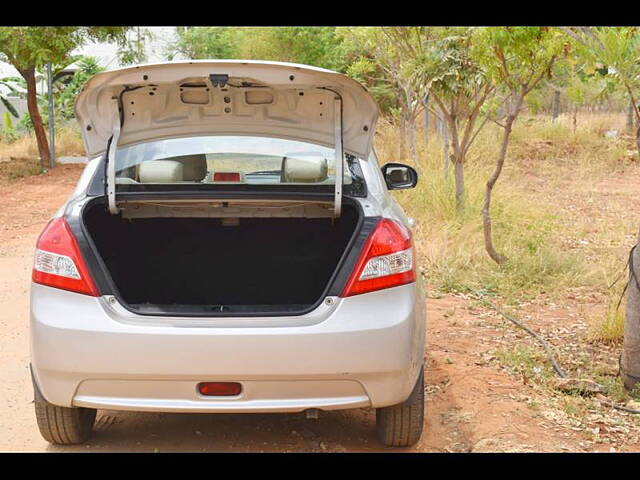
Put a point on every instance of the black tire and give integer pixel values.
(63, 425)
(401, 425)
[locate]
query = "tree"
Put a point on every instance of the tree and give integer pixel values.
(29, 48)
(516, 60)
(202, 43)
(460, 90)
(133, 51)
(615, 52)
(317, 46)
(385, 60)
(87, 68)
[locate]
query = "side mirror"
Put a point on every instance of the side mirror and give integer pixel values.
(399, 176)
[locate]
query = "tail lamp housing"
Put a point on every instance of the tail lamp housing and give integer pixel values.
(58, 261)
(387, 260)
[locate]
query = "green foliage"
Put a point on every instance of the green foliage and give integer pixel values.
(382, 59)
(33, 47)
(30, 48)
(8, 134)
(367, 72)
(203, 42)
(13, 85)
(516, 59)
(318, 46)
(65, 99)
(65, 93)
(447, 66)
(611, 52)
(132, 51)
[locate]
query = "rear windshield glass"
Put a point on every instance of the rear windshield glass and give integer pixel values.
(227, 160)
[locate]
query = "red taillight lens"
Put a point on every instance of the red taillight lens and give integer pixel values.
(58, 262)
(226, 177)
(219, 389)
(386, 260)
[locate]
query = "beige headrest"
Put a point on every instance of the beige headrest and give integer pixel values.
(304, 170)
(194, 167)
(125, 181)
(160, 171)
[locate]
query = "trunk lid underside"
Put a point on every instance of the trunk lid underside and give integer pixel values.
(225, 97)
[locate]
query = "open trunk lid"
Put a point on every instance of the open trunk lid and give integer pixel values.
(144, 103)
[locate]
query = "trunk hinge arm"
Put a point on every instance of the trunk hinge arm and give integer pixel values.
(339, 160)
(111, 164)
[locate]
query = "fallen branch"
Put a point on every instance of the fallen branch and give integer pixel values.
(551, 356)
(542, 341)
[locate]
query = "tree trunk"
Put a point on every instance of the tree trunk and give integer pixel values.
(575, 118)
(32, 104)
(555, 105)
(411, 134)
(631, 353)
(445, 148)
(459, 173)
(426, 120)
(403, 138)
(457, 158)
(486, 208)
(638, 137)
(630, 114)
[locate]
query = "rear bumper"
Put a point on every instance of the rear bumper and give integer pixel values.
(361, 351)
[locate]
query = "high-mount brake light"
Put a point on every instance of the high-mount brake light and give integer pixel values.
(387, 260)
(58, 262)
(226, 177)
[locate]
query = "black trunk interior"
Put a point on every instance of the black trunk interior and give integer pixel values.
(196, 264)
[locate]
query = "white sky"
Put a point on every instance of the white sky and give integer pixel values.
(106, 53)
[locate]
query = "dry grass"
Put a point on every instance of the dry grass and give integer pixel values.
(551, 214)
(19, 158)
(608, 328)
(17, 168)
(68, 143)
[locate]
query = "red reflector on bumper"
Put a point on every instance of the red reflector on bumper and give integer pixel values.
(219, 389)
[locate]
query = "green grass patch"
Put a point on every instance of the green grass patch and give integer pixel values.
(525, 360)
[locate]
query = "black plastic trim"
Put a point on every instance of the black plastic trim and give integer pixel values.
(413, 181)
(87, 247)
(37, 394)
(354, 249)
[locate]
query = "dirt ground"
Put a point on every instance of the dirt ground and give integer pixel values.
(473, 403)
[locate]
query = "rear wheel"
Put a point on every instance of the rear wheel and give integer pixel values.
(401, 425)
(63, 425)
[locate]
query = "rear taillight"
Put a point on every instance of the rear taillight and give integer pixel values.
(386, 260)
(58, 262)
